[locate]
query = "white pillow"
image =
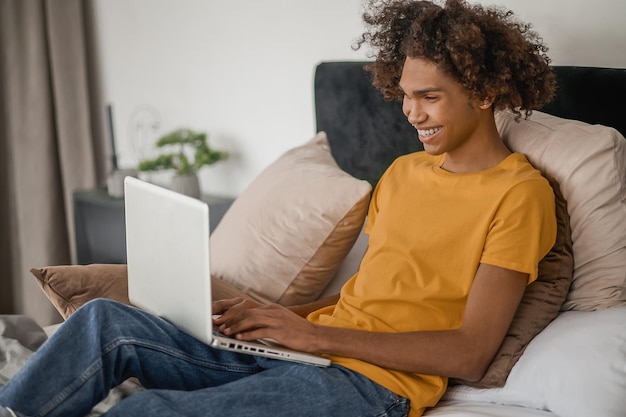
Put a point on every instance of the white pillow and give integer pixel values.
(589, 163)
(284, 237)
(576, 367)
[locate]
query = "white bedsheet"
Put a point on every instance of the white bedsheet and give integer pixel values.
(476, 409)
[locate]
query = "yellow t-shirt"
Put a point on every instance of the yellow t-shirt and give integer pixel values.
(429, 229)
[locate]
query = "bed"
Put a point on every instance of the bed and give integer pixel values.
(576, 366)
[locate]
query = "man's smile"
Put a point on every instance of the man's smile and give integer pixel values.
(425, 134)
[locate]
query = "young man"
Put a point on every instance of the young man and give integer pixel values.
(455, 234)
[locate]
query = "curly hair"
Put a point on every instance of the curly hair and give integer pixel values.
(484, 49)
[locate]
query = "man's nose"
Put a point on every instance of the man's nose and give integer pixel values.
(415, 114)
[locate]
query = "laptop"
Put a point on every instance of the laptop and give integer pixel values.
(167, 245)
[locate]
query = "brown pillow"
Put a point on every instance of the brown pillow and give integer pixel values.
(70, 286)
(541, 302)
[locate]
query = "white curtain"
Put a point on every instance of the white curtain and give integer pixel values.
(52, 140)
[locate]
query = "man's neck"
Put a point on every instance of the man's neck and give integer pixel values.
(486, 152)
(486, 160)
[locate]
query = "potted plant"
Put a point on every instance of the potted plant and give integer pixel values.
(184, 151)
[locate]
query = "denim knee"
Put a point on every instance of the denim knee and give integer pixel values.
(102, 317)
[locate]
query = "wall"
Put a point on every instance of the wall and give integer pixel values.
(242, 70)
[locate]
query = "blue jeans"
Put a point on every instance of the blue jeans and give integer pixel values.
(104, 343)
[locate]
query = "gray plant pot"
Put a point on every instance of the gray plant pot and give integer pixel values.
(187, 184)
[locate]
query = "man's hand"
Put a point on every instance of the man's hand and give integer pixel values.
(222, 306)
(246, 319)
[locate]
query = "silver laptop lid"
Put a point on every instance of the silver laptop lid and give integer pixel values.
(167, 244)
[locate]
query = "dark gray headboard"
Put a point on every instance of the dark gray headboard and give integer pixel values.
(366, 133)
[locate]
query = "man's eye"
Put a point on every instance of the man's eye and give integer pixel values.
(430, 98)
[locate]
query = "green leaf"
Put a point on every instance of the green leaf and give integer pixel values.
(178, 146)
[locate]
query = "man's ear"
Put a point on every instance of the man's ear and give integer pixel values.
(486, 103)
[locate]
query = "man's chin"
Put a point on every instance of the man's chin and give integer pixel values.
(431, 150)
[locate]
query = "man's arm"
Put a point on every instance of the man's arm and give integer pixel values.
(461, 353)
(241, 303)
(303, 310)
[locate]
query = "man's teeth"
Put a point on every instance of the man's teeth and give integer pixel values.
(428, 132)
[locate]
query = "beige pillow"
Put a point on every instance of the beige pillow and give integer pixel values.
(284, 237)
(70, 286)
(589, 163)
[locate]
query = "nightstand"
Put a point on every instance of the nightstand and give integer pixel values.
(99, 225)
